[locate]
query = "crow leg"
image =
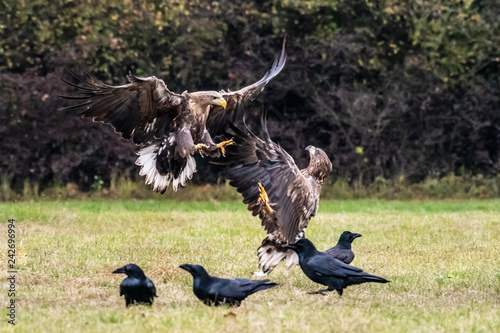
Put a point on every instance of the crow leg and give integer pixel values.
(321, 292)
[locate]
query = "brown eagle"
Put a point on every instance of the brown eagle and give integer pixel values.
(170, 126)
(273, 187)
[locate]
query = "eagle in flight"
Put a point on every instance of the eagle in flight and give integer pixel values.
(171, 127)
(273, 187)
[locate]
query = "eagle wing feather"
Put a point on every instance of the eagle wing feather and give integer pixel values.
(293, 197)
(219, 118)
(141, 110)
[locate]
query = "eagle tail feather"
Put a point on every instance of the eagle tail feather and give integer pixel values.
(161, 168)
(271, 253)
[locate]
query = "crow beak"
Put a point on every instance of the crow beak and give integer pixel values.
(356, 235)
(120, 270)
(186, 267)
(311, 149)
(292, 247)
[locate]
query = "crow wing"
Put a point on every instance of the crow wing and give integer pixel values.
(219, 118)
(294, 198)
(238, 288)
(328, 266)
(151, 287)
(140, 110)
(343, 255)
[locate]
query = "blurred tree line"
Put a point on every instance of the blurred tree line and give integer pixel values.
(390, 89)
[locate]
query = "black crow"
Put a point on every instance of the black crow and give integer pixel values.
(212, 290)
(342, 251)
(136, 287)
(329, 271)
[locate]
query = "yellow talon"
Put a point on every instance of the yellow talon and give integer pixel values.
(264, 199)
(223, 146)
(199, 147)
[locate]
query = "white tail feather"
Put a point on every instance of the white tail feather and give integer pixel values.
(147, 161)
(269, 258)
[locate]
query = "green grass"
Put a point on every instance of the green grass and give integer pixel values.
(443, 260)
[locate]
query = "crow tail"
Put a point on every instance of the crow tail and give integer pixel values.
(365, 277)
(264, 286)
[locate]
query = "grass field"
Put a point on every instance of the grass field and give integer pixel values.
(443, 260)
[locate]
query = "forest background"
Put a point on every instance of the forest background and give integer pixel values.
(403, 96)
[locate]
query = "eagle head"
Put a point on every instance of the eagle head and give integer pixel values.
(205, 98)
(319, 164)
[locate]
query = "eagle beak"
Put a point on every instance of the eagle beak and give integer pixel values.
(222, 102)
(311, 149)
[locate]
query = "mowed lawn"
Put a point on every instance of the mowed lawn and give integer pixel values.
(442, 258)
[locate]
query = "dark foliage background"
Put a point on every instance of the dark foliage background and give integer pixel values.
(389, 89)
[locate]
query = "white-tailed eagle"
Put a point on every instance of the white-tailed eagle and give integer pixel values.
(273, 187)
(169, 126)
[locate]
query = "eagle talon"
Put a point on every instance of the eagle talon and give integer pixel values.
(199, 148)
(264, 199)
(222, 145)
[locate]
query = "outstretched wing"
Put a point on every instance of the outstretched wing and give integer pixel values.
(293, 198)
(140, 110)
(219, 118)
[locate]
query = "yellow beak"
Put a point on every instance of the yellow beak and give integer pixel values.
(222, 102)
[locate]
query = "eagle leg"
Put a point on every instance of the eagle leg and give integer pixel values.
(264, 200)
(222, 145)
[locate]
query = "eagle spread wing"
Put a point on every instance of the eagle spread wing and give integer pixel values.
(171, 126)
(220, 118)
(259, 168)
(141, 110)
